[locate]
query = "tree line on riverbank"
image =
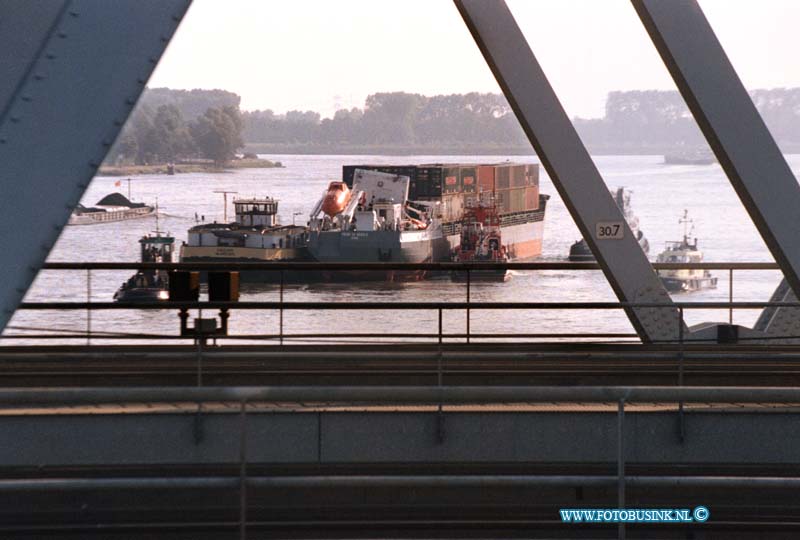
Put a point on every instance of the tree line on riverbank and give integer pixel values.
(635, 122)
(168, 125)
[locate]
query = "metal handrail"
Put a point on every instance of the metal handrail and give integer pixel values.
(413, 306)
(432, 395)
(286, 266)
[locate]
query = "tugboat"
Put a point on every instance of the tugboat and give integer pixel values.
(580, 252)
(149, 285)
(481, 242)
(684, 280)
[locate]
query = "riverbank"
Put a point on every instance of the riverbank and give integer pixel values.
(188, 167)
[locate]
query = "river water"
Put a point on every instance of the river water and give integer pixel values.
(660, 194)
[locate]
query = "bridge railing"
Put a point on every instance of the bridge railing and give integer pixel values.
(285, 270)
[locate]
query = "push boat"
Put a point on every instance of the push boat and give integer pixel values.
(580, 252)
(255, 235)
(112, 207)
(481, 242)
(149, 285)
(684, 251)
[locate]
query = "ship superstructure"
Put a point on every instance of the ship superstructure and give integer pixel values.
(254, 236)
(374, 220)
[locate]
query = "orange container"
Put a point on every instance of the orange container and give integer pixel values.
(485, 178)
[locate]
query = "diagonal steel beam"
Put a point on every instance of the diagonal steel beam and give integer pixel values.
(72, 70)
(736, 133)
(569, 165)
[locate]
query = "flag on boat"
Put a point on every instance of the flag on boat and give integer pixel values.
(118, 183)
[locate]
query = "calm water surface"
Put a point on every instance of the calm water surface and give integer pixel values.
(660, 194)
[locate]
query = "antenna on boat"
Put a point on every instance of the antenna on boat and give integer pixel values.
(686, 221)
(225, 202)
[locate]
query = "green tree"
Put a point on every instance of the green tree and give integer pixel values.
(217, 134)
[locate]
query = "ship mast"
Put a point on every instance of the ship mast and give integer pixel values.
(686, 221)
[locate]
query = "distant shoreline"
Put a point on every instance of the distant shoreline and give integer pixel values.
(388, 150)
(190, 167)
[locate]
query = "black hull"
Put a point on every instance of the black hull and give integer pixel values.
(689, 285)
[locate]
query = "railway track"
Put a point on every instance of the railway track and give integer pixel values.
(545, 364)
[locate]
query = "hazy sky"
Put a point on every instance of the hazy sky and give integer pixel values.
(324, 55)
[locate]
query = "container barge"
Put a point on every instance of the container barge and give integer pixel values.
(449, 188)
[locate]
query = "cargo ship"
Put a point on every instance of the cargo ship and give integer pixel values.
(447, 189)
(112, 207)
(374, 220)
(254, 236)
(580, 252)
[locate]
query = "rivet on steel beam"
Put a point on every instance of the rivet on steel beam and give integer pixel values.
(153, 60)
(62, 35)
(117, 123)
(3, 140)
(106, 144)
(130, 102)
(93, 165)
(26, 99)
(38, 77)
(176, 18)
(50, 56)
(73, 13)
(141, 81)
(164, 39)
(14, 119)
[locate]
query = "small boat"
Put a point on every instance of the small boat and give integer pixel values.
(684, 280)
(690, 157)
(112, 207)
(580, 252)
(149, 285)
(481, 242)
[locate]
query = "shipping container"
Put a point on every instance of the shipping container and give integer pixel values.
(533, 174)
(517, 176)
(532, 198)
(502, 200)
(502, 177)
(485, 178)
(468, 179)
(452, 180)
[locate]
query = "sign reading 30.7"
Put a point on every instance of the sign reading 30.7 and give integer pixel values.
(609, 230)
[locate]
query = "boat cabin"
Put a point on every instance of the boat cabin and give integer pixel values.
(256, 213)
(156, 248)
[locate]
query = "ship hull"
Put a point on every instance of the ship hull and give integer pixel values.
(378, 247)
(218, 254)
(93, 218)
(688, 284)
